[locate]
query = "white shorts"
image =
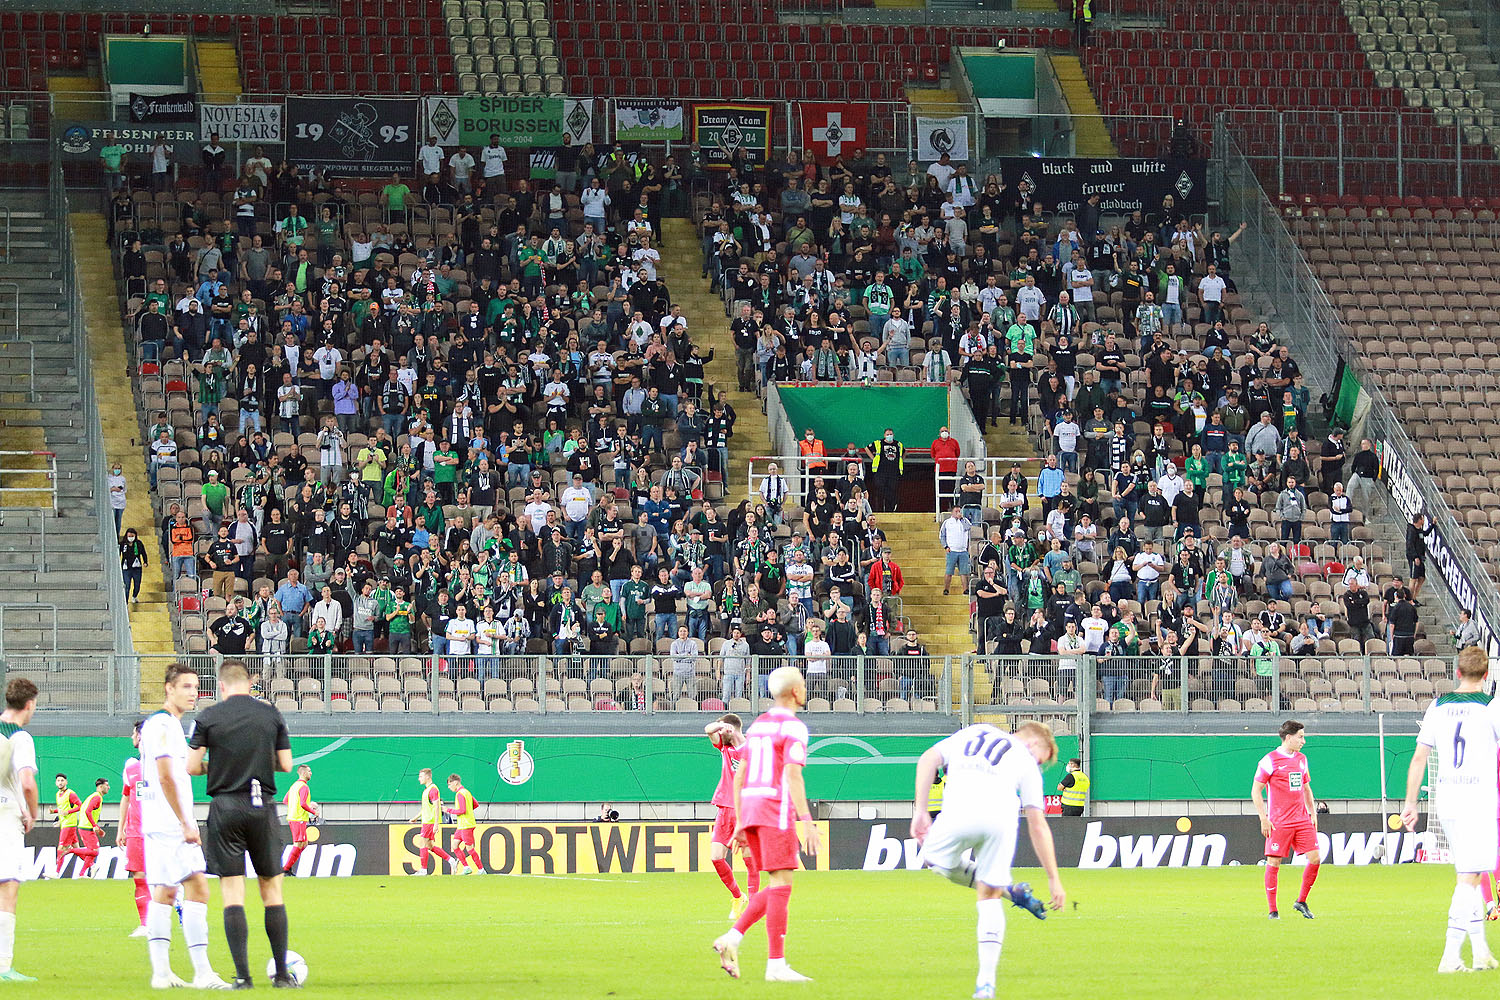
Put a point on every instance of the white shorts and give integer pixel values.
(1473, 839)
(170, 859)
(993, 844)
(13, 854)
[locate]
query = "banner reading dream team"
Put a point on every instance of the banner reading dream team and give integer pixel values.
(1064, 183)
(723, 129)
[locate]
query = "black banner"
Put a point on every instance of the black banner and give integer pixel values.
(352, 136)
(1065, 183)
(722, 130)
(164, 107)
(84, 140)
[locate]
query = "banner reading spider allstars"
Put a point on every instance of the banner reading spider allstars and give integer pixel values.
(722, 129)
(352, 136)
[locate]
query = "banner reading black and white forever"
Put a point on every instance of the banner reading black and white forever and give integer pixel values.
(353, 136)
(1065, 183)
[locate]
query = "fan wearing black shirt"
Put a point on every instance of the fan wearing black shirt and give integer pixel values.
(245, 742)
(231, 631)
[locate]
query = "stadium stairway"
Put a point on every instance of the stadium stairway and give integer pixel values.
(150, 623)
(1090, 136)
(70, 578)
(682, 270)
(218, 69)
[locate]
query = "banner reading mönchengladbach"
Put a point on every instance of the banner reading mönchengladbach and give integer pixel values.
(936, 136)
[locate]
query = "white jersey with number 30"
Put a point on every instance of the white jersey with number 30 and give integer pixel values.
(989, 772)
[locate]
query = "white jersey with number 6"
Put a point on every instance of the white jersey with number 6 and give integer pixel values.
(990, 772)
(1463, 731)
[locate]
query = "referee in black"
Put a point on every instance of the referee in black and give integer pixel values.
(246, 742)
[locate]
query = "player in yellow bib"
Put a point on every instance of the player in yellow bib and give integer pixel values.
(89, 829)
(462, 812)
(300, 810)
(429, 841)
(69, 805)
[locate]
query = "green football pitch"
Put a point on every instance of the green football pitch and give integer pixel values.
(1195, 934)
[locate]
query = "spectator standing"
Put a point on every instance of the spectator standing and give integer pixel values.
(133, 561)
(1467, 633)
(953, 534)
(1416, 554)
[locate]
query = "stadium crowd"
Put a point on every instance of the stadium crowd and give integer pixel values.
(471, 420)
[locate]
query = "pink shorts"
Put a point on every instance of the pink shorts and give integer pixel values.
(1285, 841)
(724, 826)
(299, 830)
(772, 850)
(462, 836)
(135, 854)
(429, 832)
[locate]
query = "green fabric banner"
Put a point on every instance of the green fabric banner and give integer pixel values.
(858, 414)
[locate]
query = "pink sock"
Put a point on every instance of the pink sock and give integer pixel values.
(423, 856)
(1309, 876)
(754, 910)
(1271, 872)
(780, 898)
(142, 897)
(752, 877)
(726, 875)
(442, 854)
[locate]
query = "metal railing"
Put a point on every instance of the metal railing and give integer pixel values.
(13, 291)
(1278, 274)
(59, 209)
(11, 466)
(23, 606)
(1069, 690)
(992, 471)
(444, 684)
(28, 383)
(1394, 151)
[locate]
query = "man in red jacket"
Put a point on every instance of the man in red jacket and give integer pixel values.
(885, 576)
(945, 457)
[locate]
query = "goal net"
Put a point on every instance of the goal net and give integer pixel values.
(1435, 843)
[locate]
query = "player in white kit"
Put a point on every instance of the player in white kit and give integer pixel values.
(992, 776)
(1463, 729)
(174, 851)
(18, 811)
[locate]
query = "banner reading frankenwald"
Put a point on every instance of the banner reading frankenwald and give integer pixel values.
(723, 129)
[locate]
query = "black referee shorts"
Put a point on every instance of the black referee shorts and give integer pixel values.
(236, 828)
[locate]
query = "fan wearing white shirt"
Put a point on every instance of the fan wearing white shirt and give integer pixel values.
(430, 157)
(460, 633)
(492, 159)
(461, 164)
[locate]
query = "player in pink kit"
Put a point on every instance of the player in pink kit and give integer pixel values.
(770, 798)
(1291, 827)
(128, 832)
(726, 735)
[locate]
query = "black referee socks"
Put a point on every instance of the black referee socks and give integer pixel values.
(237, 935)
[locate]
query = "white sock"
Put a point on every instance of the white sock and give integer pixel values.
(1458, 924)
(734, 937)
(775, 963)
(195, 932)
(1478, 946)
(159, 937)
(7, 940)
(991, 930)
(962, 875)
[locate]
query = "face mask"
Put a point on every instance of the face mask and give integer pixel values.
(944, 435)
(890, 437)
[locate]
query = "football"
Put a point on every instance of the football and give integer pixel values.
(295, 964)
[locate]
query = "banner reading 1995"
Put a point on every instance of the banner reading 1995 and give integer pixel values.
(354, 136)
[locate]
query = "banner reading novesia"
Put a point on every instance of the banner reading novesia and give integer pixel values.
(357, 136)
(834, 130)
(1123, 186)
(722, 130)
(241, 122)
(936, 136)
(648, 121)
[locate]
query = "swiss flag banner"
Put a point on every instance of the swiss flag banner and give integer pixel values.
(832, 130)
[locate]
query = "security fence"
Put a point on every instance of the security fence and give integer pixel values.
(1067, 691)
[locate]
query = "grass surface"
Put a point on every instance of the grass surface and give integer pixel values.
(1198, 934)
